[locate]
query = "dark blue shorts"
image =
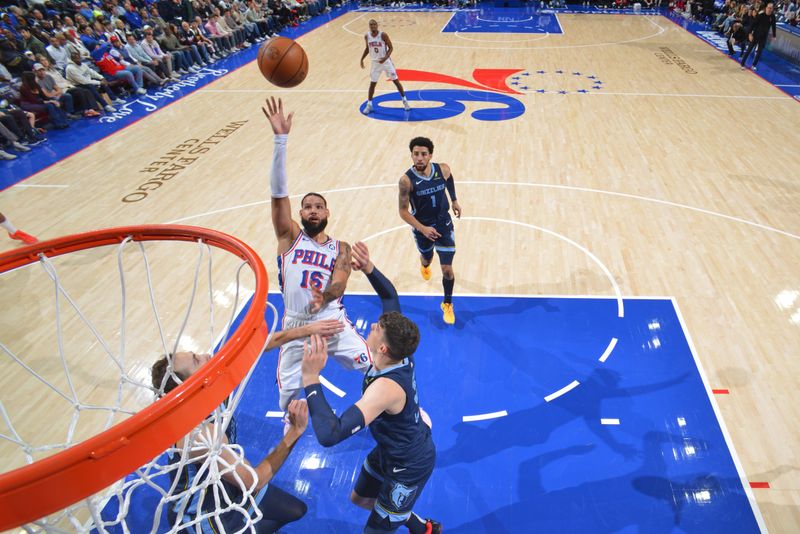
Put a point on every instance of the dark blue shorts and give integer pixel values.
(445, 246)
(394, 487)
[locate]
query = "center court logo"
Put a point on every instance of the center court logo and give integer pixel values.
(488, 88)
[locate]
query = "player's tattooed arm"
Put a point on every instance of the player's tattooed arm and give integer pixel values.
(338, 282)
(403, 201)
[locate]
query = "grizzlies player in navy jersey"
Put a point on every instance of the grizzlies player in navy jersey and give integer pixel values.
(422, 189)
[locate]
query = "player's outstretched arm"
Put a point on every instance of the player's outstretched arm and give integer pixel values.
(286, 229)
(390, 300)
(451, 188)
(324, 328)
(381, 395)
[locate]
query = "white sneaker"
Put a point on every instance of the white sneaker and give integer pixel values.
(368, 109)
(141, 91)
(19, 146)
(119, 101)
(175, 76)
(405, 105)
(109, 108)
(193, 68)
(5, 155)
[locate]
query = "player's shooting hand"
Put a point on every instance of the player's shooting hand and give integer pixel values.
(430, 233)
(315, 355)
(360, 258)
(325, 328)
(317, 300)
(297, 415)
(274, 113)
(457, 209)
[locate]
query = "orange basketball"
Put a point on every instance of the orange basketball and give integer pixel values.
(283, 62)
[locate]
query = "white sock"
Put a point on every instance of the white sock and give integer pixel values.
(8, 226)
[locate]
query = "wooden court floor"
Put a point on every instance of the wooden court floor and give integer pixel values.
(682, 184)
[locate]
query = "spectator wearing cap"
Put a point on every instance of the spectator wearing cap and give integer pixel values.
(114, 69)
(50, 91)
(54, 85)
(119, 52)
(80, 75)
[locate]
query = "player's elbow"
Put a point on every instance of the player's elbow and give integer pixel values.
(328, 440)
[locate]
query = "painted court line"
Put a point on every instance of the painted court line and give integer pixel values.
(609, 421)
(274, 414)
(484, 416)
(728, 441)
(569, 387)
(336, 391)
(609, 349)
(42, 186)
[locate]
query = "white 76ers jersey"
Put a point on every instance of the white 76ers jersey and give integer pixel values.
(376, 45)
(306, 264)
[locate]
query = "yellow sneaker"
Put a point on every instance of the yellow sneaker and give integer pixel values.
(447, 313)
(425, 271)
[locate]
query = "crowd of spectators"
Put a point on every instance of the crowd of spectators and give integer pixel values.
(746, 24)
(65, 60)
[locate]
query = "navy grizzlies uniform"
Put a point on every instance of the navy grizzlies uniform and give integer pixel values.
(429, 205)
(398, 468)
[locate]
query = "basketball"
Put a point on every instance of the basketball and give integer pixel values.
(283, 62)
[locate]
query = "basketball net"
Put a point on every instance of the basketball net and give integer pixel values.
(139, 500)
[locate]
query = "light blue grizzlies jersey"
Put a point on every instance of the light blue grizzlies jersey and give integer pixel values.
(428, 196)
(403, 438)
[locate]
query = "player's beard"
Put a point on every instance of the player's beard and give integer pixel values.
(314, 229)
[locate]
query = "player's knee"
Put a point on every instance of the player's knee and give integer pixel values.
(447, 272)
(297, 510)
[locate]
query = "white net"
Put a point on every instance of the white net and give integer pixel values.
(76, 352)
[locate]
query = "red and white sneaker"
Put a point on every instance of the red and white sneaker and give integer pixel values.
(432, 527)
(19, 235)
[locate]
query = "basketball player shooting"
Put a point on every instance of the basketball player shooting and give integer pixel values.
(379, 48)
(313, 269)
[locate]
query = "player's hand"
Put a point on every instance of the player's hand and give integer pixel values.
(430, 233)
(457, 209)
(297, 415)
(317, 300)
(325, 328)
(383, 60)
(315, 355)
(274, 113)
(360, 258)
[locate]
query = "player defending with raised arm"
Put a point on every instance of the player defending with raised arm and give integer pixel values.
(397, 469)
(313, 269)
(379, 49)
(422, 188)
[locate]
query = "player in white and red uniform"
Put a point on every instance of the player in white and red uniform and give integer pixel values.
(379, 48)
(313, 270)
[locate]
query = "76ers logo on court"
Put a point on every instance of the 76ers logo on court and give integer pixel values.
(490, 89)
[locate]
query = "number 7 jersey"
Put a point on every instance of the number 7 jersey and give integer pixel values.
(306, 264)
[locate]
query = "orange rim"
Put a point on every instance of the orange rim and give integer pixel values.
(53, 483)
